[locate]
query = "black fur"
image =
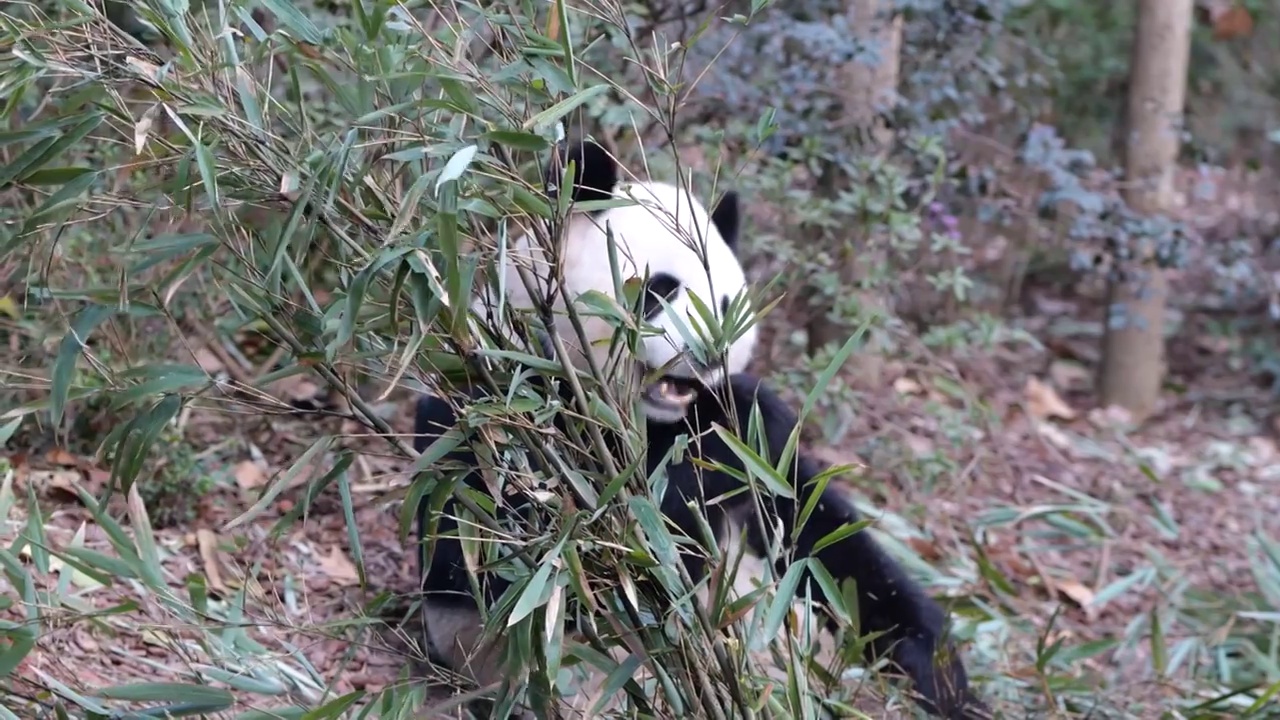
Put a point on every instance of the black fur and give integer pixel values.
(660, 285)
(595, 171)
(727, 219)
(888, 601)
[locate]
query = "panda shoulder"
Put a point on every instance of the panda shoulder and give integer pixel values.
(433, 415)
(749, 390)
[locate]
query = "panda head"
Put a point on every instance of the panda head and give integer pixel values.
(667, 240)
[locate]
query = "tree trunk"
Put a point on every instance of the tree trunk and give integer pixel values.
(1133, 368)
(868, 89)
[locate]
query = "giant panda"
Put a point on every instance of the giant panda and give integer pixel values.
(655, 236)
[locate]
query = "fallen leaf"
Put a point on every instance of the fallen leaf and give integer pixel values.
(927, 550)
(60, 456)
(1043, 401)
(1078, 593)
(1262, 451)
(1215, 344)
(1075, 591)
(907, 386)
(1055, 435)
(96, 480)
(921, 447)
(207, 542)
(249, 475)
(1111, 417)
(79, 579)
(339, 568)
(1236, 22)
(1070, 375)
(295, 388)
(207, 361)
(56, 482)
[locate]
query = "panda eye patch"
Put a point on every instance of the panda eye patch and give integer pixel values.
(662, 286)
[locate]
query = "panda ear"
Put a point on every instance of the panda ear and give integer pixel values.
(726, 219)
(595, 170)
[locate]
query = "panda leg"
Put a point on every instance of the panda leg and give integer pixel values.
(911, 624)
(455, 635)
(889, 602)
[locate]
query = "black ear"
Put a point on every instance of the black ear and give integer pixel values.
(595, 170)
(726, 219)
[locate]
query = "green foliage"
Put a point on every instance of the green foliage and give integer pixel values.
(338, 177)
(406, 182)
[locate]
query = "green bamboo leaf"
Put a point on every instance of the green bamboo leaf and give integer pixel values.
(283, 481)
(242, 682)
(64, 198)
(295, 21)
(38, 155)
(755, 465)
(839, 534)
(18, 577)
(208, 167)
(64, 365)
(554, 113)
(145, 543)
(820, 388)
(51, 128)
(33, 535)
(244, 85)
(518, 140)
(314, 489)
(616, 681)
(176, 244)
(535, 592)
(110, 566)
(245, 15)
(661, 544)
(55, 176)
(353, 530)
(831, 591)
(210, 697)
(291, 712)
(6, 432)
(817, 487)
(409, 205)
(164, 379)
(338, 707)
(782, 600)
(21, 640)
(140, 436)
(359, 288)
(561, 8)
(446, 443)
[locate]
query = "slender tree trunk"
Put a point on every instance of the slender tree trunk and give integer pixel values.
(1133, 366)
(867, 90)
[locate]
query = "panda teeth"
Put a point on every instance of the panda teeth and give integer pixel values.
(669, 391)
(676, 393)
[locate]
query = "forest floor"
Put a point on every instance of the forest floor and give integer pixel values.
(999, 458)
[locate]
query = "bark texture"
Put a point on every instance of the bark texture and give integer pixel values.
(1133, 364)
(867, 90)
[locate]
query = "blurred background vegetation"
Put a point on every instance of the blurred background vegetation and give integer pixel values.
(236, 236)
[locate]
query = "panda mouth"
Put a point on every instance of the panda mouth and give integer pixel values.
(671, 392)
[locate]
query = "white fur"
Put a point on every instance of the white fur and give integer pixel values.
(665, 230)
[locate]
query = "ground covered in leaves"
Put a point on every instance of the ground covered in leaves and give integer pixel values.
(1019, 489)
